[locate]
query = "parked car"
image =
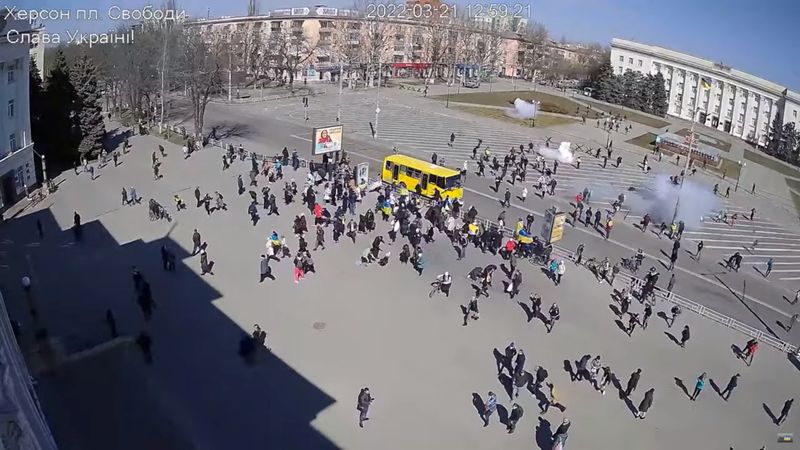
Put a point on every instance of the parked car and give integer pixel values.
(471, 83)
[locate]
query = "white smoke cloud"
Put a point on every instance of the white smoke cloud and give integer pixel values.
(523, 110)
(562, 154)
(660, 196)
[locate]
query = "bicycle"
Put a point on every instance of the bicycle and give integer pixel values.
(631, 264)
(437, 287)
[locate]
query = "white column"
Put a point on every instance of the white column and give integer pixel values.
(728, 91)
(739, 94)
(673, 90)
(686, 106)
(748, 115)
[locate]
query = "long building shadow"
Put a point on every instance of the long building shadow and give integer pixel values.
(198, 380)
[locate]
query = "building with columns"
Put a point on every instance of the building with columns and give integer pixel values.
(721, 97)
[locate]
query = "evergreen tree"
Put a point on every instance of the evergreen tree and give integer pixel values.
(775, 136)
(601, 80)
(89, 109)
(659, 102)
(36, 105)
(615, 90)
(632, 90)
(58, 113)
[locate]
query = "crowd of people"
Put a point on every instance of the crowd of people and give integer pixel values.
(332, 196)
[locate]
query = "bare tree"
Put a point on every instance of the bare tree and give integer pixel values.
(437, 40)
(488, 48)
(534, 41)
(201, 70)
(347, 42)
(287, 51)
(377, 39)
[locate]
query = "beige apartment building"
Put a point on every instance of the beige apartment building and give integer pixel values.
(356, 42)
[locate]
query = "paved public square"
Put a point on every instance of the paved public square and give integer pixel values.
(349, 326)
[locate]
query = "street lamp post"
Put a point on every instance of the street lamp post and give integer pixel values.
(339, 105)
(686, 167)
(739, 175)
(230, 75)
(447, 103)
(377, 99)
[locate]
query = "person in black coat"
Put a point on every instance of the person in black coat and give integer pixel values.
(514, 417)
(646, 403)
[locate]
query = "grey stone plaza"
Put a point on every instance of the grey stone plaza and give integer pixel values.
(347, 326)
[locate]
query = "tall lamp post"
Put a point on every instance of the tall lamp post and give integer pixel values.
(378, 99)
(692, 143)
(739, 175)
(339, 104)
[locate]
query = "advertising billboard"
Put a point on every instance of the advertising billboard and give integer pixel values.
(326, 140)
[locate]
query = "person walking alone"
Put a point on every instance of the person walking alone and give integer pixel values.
(684, 336)
(633, 381)
(266, 271)
(734, 381)
(699, 386)
(364, 400)
(645, 404)
(699, 250)
(769, 267)
(196, 242)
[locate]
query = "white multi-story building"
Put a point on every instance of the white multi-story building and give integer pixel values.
(719, 96)
(17, 172)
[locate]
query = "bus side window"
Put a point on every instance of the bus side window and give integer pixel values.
(389, 165)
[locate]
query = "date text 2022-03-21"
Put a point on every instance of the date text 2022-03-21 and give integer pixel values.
(444, 10)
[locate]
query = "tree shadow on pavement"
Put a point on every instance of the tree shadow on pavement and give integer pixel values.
(198, 376)
(680, 384)
(544, 434)
(225, 130)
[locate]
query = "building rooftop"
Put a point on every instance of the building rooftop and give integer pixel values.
(714, 68)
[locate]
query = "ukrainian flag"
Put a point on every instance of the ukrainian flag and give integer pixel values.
(705, 83)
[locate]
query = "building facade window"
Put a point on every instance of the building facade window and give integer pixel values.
(640, 63)
(12, 141)
(741, 118)
(11, 74)
(630, 61)
(621, 58)
(19, 178)
(11, 109)
(794, 113)
(619, 69)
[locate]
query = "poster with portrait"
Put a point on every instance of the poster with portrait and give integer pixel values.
(326, 140)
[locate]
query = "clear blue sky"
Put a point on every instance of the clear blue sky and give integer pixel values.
(758, 37)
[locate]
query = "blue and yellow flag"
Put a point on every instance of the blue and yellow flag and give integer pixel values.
(705, 83)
